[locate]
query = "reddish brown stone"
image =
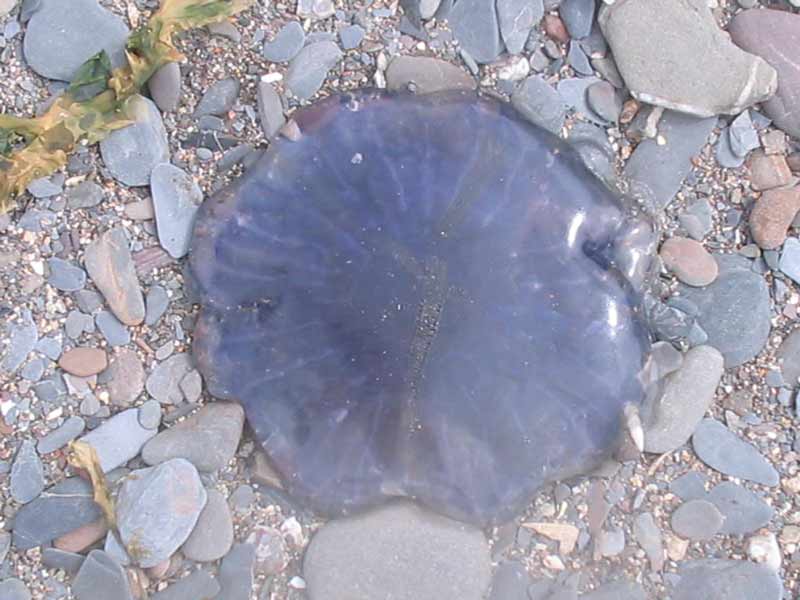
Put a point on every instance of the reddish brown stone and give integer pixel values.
(772, 215)
(83, 537)
(83, 362)
(555, 29)
(768, 171)
(690, 261)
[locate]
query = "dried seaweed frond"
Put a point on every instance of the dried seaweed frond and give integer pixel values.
(95, 102)
(83, 456)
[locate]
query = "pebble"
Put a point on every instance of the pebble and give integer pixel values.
(775, 36)
(475, 26)
(696, 520)
(661, 168)
(87, 194)
(315, 9)
(156, 303)
(516, 19)
(790, 259)
(744, 511)
(308, 70)
(199, 585)
(100, 578)
(287, 43)
(510, 582)
(577, 59)
(574, 92)
(658, 70)
(720, 579)
(687, 395)
(734, 310)
(157, 508)
(649, 537)
(618, 590)
(772, 215)
(577, 16)
(219, 98)
(604, 100)
(434, 557)
(270, 109)
(742, 135)
(163, 383)
(45, 187)
(83, 362)
(118, 439)
(227, 30)
(272, 556)
(22, 337)
(768, 171)
(110, 265)
(208, 438)
(212, 537)
(69, 562)
(61, 36)
(176, 199)
(426, 75)
(65, 276)
(50, 346)
(5, 545)
(65, 507)
(540, 103)
(150, 414)
(61, 436)
(236, 573)
(192, 386)
(27, 473)
(165, 87)
(689, 260)
(723, 450)
(77, 323)
(131, 153)
(592, 144)
(764, 549)
(351, 36)
(126, 378)
(14, 589)
(115, 333)
(689, 486)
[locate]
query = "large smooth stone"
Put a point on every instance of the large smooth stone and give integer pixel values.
(419, 297)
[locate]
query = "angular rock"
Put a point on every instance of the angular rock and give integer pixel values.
(101, 578)
(165, 87)
(115, 333)
(689, 486)
(734, 310)
(768, 171)
(156, 302)
(65, 276)
(510, 582)
(540, 103)
(22, 337)
(270, 109)
(176, 198)
(61, 436)
(61, 36)
(163, 383)
(69, 562)
(517, 18)
(212, 537)
(687, 395)
(577, 16)
(208, 438)
(351, 36)
(236, 573)
(60, 509)
(723, 450)
(157, 508)
(109, 263)
(27, 473)
(14, 589)
(131, 153)
(704, 74)
(199, 585)
(659, 170)
(219, 98)
(696, 520)
(743, 136)
(744, 511)
(689, 260)
(575, 92)
(84, 361)
(310, 67)
(86, 194)
(118, 439)
(475, 27)
(426, 74)
(719, 579)
(125, 378)
(775, 36)
(432, 557)
(287, 43)
(650, 539)
(772, 215)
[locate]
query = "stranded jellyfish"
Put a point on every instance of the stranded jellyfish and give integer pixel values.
(422, 296)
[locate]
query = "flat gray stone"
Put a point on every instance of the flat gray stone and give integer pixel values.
(575, 93)
(150, 414)
(86, 194)
(236, 573)
(351, 36)
(577, 16)
(199, 585)
(101, 578)
(113, 330)
(517, 18)
(790, 259)
(658, 170)
(270, 109)
(788, 356)
(704, 75)
(287, 43)
(510, 581)
(689, 486)
(219, 98)
(426, 75)
(687, 395)
(156, 303)
(212, 537)
(50, 346)
(723, 450)
(109, 263)
(744, 511)
(61, 36)
(70, 562)
(45, 187)
(719, 579)
(649, 537)
(208, 438)
(176, 198)
(165, 87)
(163, 383)
(65, 276)
(14, 589)
(310, 67)
(118, 439)
(734, 310)
(399, 551)
(475, 27)
(22, 336)
(540, 103)
(60, 509)
(696, 520)
(61, 436)
(131, 153)
(5, 545)
(157, 508)
(27, 473)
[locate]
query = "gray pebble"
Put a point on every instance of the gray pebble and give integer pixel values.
(604, 100)
(115, 333)
(27, 473)
(22, 337)
(44, 187)
(475, 26)
(227, 30)
(577, 16)
(744, 511)
(176, 198)
(210, 123)
(617, 590)
(742, 135)
(315, 9)
(351, 36)
(540, 103)
(50, 347)
(33, 369)
(61, 436)
(649, 537)
(219, 98)
(100, 578)
(165, 87)
(270, 109)
(65, 276)
(14, 589)
(287, 43)
(510, 581)
(197, 585)
(212, 537)
(204, 154)
(718, 579)
(517, 18)
(150, 414)
(84, 195)
(70, 562)
(88, 301)
(78, 323)
(578, 60)
(163, 383)
(689, 486)
(574, 91)
(696, 520)
(790, 259)
(236, 573)
(156, 303)
(118, 439)
(310, 67)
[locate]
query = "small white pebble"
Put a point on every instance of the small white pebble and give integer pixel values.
(297, 583)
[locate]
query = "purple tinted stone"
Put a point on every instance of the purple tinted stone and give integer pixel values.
(419, 297)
